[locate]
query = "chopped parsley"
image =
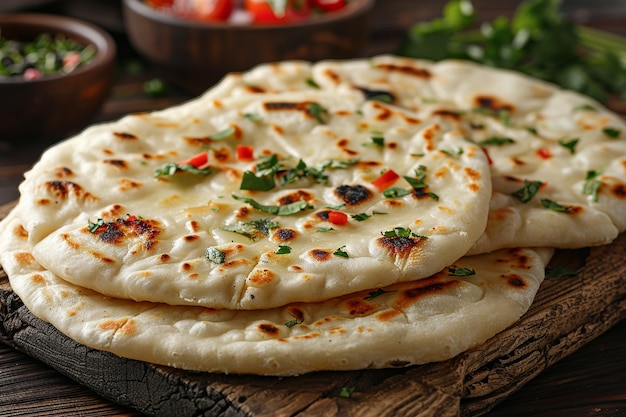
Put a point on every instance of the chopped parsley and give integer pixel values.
(496, 140)
(223, 134)
(172, 168)
(285, 210)
(592, 184)
(325, 229)
(253, 117)
(528, 191)
(612, 132)
(404, 232)
(341, 252)
(215, 255)
(457, 152)
(283, 250)
(346, 392)
(570, 145)
(377, 141)
(250, 181)
(395, 192)
(254, 229)
(361, 217)
(93, 227)
(316, 110)
(460, 272)
(311, 83)
(552, 205)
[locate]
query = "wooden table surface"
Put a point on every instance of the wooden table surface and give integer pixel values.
(590, 382)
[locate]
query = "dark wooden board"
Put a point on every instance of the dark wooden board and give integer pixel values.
(567, 313)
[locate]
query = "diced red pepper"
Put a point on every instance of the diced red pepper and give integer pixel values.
(197, 161)
(544, 153)
(131, 218)
(245, 153)
(386, 180)
(337, 217)
(488, 156)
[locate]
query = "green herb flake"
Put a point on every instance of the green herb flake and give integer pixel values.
(215, 255)
(361, 217)
(570, 145)
(496, 140)
(172, 168)
(283, 250)
(94, 226)
(253, 117)
(341, 252)
(373, 294)
(377, 141)
(285, 210)
(528, 191)
(250, 181)
(460, 272)
(612, 132)
(254, 229)
(552, 205)
(584, 107)
(325, 229)
(453, 152)
(312, 83)
(592, 184)
(395, 192)
(403, 232)
(346, 392)
(317, 111)
(559, 271)
(223, 134)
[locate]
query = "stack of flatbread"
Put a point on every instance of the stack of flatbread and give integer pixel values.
(302, 216)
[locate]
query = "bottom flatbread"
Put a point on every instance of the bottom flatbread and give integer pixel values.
(427, 320)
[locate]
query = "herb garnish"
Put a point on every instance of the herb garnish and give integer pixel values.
(528, 191)
(311, 83)
(552, 205)
(592, 184)
(495, 140)
(172, 168)
(215, 255)
(341, 252)
(93, 227)
(377, 141)
(285, 210)
(402, 232)
(570, 145)
(254, 229)
(325, 229)
(223, 134)
(283, 250)
(539, 41)
(395, 192)
(346, 392)
(253, 117)
(373, 294)
(612, 132)
(460, 272)
(457, 152)
(316, 110)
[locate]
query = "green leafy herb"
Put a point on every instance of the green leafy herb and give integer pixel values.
(549, 204)
(361, 217)
(528, 191)
(460, 272)
(612, 132)
(584, 107)
(94, 226)
(253, 117)
(249, 181)
(495, 140)
(592, 184)
(404, 232)
(377, 141)
(317, 111)
(285, 210)
(341, 252)
(223, 134)
(311, 83)
(172, 168)
(346, 392)
(283, 250)
(325, 229)
(570, 145)
(559, 271)
(254, 229)
(395, 192)
(538, 41)
(373, 294)
(457, 152)
(215, 255)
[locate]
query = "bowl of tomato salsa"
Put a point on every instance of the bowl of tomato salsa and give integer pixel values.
(195, 43)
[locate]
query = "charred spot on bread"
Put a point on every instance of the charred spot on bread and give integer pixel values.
(353, 195)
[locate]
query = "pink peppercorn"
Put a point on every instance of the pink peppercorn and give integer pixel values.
(32, 74)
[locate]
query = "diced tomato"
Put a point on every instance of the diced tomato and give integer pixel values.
(245, 153)
(210, 10)
(329, 5)
(131, 218)
(337, 217)
(263, 11)
(160, 3)
(386, 180)
(488, 156)
(197, 160)
(544, 153)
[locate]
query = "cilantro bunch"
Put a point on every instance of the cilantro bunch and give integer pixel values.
(538, 41)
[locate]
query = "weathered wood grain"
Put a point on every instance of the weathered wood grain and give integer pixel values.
(567, 313)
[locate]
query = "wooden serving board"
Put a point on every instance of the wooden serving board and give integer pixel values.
(567, 313)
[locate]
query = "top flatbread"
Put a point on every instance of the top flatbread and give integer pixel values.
(532, 131)
(159, 253)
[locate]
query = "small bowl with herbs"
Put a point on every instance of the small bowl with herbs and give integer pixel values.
(55, 73)
(196, 43)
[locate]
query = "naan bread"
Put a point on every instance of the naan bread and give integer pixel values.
(187, 239)
(532, 131)
(427, 320)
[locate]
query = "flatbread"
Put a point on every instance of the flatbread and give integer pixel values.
(162, 254)
(427, 320)
(532, 131)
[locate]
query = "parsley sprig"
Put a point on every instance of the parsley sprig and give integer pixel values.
(538, 41)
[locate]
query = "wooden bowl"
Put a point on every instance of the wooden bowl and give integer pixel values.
(55, 105)
(196, 54)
